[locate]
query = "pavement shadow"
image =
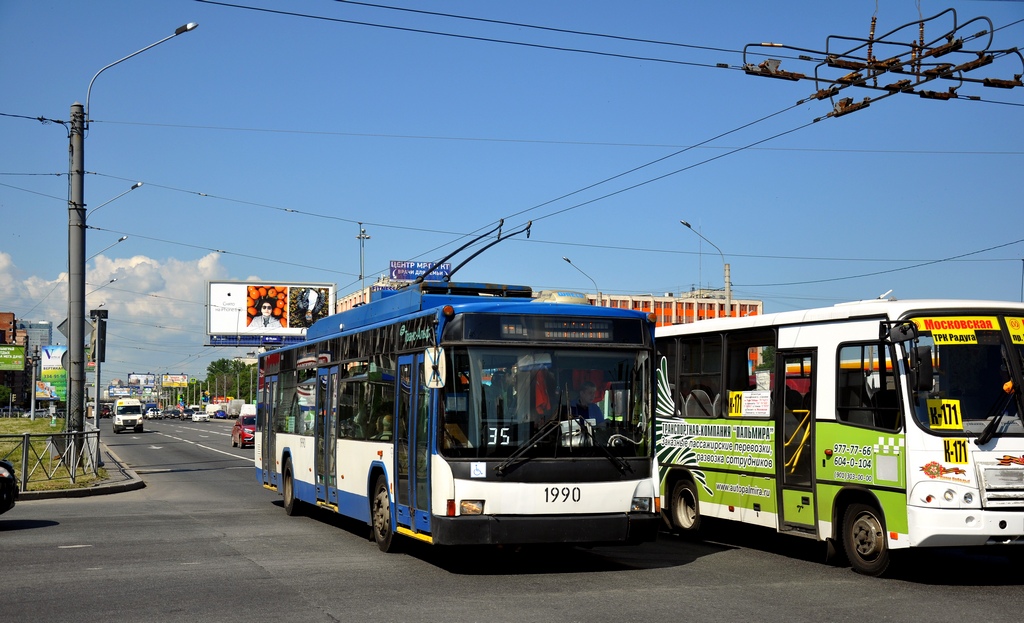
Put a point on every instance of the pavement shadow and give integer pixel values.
(12, 524)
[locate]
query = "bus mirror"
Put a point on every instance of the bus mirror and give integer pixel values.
(921, 368)
(903, 332)
(433, 367)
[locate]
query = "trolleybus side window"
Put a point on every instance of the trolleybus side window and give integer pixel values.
(866, 394)
(285, 403)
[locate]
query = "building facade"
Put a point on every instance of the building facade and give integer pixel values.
(39, 333)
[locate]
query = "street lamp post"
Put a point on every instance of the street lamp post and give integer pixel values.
(362, 238)
(76, 247)
(597, 291)
(725, 265)
(103, 286)
(94, 210)
(109, 246)
(252, 369)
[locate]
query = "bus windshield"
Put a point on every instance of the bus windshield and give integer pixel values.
(972, 376)
(589, 403)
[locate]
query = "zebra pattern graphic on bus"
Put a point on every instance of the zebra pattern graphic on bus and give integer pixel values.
(674, 450)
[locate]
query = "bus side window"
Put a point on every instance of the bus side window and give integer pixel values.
(746, 354)
(866, 393)
(700, 371)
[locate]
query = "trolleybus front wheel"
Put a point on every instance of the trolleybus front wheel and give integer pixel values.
(685, 511)
(380, 516)
(864, 539)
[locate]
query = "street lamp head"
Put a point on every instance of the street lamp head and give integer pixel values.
(122, 238)
(567, 259)
(136, 185)
(187, 27)
(685, 224)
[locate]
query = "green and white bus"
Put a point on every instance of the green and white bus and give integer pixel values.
(876, 426)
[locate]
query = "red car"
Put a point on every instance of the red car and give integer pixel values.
(243, 433)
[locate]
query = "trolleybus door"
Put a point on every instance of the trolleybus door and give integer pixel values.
(265, 426)
(326, 433)
(411, 451)
(794, 416)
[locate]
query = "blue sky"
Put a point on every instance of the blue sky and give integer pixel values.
(263, 139)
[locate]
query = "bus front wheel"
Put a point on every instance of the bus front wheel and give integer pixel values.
(685, 508)
(380, 515)
(864, 540)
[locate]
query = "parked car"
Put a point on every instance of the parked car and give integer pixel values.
(243, 433)
(152, 413)
(187, 413)
(220, 414)
(8, 486)
(200, 416)
(171, 413)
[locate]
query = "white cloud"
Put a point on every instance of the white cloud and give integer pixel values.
(157, 308)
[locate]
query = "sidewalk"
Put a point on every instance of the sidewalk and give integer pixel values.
(119, 478)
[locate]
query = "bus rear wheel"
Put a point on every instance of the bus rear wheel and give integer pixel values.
(864, 540)
(685, 509)
(380, 516)
(291, 505)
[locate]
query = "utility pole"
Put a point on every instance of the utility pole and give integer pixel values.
(76, 273)
(32, 403)
(99, 334)
(362, 237)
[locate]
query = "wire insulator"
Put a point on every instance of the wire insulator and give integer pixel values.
(871, 44)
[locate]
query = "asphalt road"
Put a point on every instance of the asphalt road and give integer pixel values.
(204, 542)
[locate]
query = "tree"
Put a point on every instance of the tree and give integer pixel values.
(225, 377)
(767, 359)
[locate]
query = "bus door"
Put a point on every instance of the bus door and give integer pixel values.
(411, 451)
(326, 434)
(265, 427)
(794, 417)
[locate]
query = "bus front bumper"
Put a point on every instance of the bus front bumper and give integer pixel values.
(964, 527)
(525, 529)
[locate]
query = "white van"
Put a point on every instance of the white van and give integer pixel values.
(127, 414)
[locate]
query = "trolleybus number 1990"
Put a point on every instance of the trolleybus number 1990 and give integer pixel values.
(561, 494)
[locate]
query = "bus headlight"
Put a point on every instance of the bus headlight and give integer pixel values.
(471, 507)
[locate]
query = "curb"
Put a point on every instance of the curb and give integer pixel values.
(131, 482)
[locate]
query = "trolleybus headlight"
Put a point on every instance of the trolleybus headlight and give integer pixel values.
(471, 507)
(640, 505)
(643, 498)
(949, 495)
(968, 497)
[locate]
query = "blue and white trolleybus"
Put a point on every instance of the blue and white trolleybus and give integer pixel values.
(459, 414)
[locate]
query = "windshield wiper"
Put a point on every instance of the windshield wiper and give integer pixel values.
(544, 431)
(996, 413)
(618, 461)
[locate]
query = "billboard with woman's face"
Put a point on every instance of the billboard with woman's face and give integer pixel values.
(241, 308)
